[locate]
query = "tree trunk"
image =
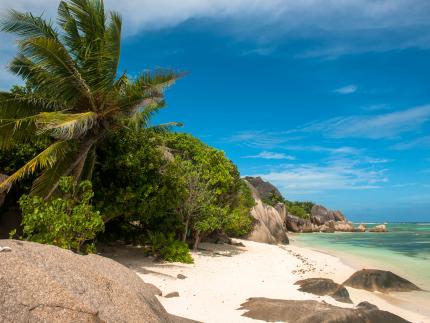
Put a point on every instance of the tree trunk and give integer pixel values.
(184, 236)
(197, 240)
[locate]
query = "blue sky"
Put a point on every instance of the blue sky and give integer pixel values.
(330, 101)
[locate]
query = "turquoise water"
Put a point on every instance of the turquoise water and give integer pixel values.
(405, 249)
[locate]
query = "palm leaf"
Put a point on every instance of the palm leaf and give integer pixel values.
(46, 159)
(26, 25)
(65, 126)
(51, 57)
(16, 131)
(18, 105)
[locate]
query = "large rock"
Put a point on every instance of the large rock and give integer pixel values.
(379, 228)
(338, 216)
(343, 226)
(265, 190)
(276, 310)
(361, 228)
(269, 226)
(328, 227)
(42, 283)
(379, 280)
(294, 223)
(269, 223)
(320, 215)
(324, 286)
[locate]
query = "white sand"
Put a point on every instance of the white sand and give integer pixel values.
(223, 277)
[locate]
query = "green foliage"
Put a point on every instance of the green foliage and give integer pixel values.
(169, 183)
(169, 249)
(300, 209)
(239, 221)
(136, 184)
(273, 199)
(68, 221)
(74, 95)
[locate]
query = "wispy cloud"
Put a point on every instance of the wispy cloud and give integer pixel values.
(349, 89)
(420, 142)
(378, 126)
(377, 107)
(271, 155)
(262, 139)
(331, 176)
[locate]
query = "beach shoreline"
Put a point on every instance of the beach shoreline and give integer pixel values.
(224, 276)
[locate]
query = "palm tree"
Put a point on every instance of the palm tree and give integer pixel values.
(74, 95)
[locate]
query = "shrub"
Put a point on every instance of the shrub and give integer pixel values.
(239, 223)
(169, 249)
(298, 211)
(68, 221)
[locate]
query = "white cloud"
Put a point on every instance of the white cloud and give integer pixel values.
(420, 142)
(262, 139)
(349, 89)
(271, 155)
(379, 126)
(307, 17)
(332, 176)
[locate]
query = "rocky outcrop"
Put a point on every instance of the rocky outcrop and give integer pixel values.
(328, 227)
(379, 228)
(269, 222)
(361, 228)
(379, 280)
(42, 283)
(343, 226)
(269, 227)
(320, 215)
(338, 216)
(277, 310)
(324, 286)
(265, 189)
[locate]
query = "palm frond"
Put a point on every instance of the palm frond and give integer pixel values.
(165, 127)
(159, 79)
(18, 105)
(48, 180)
(27, 26)
(45, 159)
(65, 126)
(51, 57)
(140, 119)
(17, 130)
(71, 37)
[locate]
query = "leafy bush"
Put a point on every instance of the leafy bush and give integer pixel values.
(170, 183)
(239, 221)
(68, 221)
(169, 249)
(298, 211)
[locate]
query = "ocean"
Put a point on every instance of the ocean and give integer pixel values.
(404, 250)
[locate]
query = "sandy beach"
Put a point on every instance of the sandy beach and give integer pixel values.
(224, 276)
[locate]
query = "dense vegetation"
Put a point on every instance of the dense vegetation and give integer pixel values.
(69, 221)
(300, 209)
(168, 183)
(297, 208)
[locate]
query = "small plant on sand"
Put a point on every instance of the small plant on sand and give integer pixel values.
(168, 248)
(68, 221)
